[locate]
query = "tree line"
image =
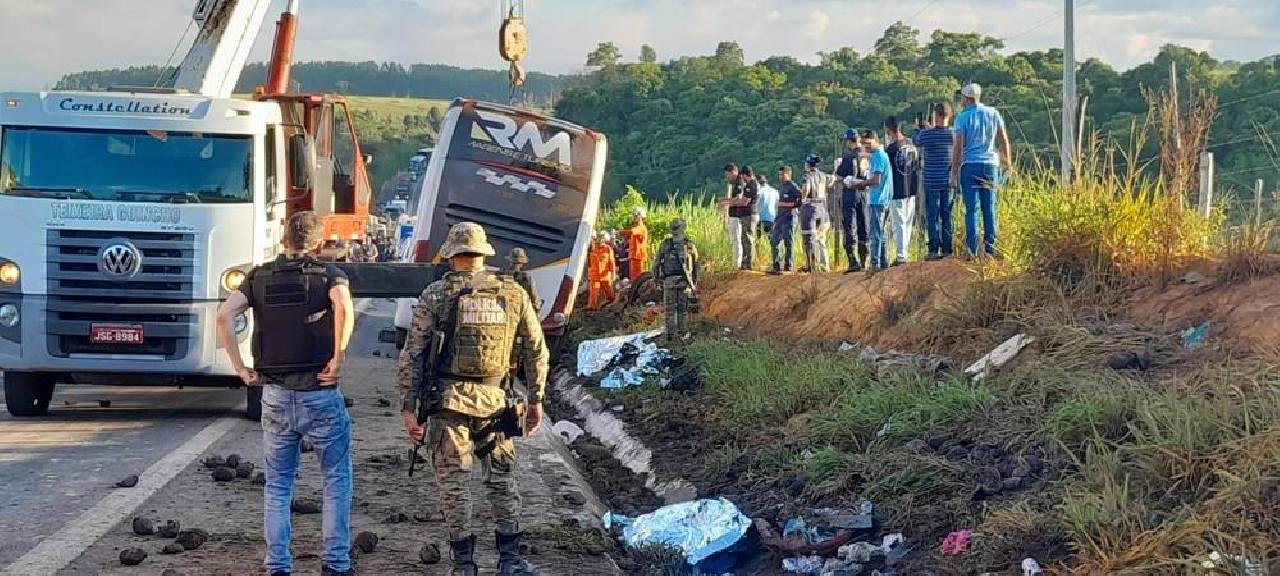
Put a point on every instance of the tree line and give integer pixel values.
(434, 81)
(674, 125)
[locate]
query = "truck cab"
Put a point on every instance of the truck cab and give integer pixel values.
(131, 214)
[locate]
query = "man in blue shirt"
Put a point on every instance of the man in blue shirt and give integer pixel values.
(935, 144)
(975, 166)
(879, 187)
(768, 205)
(781, 242)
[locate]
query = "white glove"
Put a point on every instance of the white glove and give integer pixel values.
(849, 181)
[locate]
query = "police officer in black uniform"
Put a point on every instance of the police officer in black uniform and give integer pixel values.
(303, 319)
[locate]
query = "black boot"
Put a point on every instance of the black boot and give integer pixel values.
(464, 562)
(509, 561)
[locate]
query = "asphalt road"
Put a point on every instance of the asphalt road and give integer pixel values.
(54, 468)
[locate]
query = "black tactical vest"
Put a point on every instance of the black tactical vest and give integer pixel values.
(293, 318)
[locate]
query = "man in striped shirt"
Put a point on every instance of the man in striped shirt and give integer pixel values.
(935, 144)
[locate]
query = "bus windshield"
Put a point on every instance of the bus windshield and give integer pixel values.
(126, 166)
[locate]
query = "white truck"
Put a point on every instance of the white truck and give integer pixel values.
(129, 215)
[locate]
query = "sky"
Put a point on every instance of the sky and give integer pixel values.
(44, 39)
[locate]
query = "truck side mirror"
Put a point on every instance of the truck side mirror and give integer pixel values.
(302, 163)
(368, 159)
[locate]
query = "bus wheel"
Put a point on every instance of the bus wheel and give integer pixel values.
(28, 393)
(253, 403)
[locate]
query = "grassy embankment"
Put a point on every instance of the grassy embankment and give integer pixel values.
(1091, 470)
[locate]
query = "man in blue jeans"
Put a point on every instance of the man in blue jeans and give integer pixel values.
(303, 320)
(879, 187)
(975, 166)
(936, 144)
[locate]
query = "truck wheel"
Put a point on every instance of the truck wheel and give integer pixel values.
(253, 403)
(28, 393)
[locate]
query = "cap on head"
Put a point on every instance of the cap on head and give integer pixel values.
(677, 225)
(466, 238)
(850, 134)
(971, 90)
(812, 160)
(517, 256)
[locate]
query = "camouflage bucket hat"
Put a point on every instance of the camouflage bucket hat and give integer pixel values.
(466, 238)
(518, 256)
(677, 225)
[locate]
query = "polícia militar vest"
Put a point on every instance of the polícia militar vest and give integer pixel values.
(486, 315)
(293, 317)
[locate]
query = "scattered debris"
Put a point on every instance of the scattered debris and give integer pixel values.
(214, 462)
(595, 355)
(575, 498)
(173, 548)
(803, 564)
(384, 403)
(847, 346)
(232, 461)
(68, 402)
(1193, 277)
(171, 529)
(305, 506)
(132, 556)
(143, 526)
(367, 542)
(1194, 336)
(1031, 568)
(700, 528)
(224, 474)
(1129, 361)
(170, 572)
(260, 478)
(1233, 563)
(396, 518)
(429, 554)
(244, 470)
(128, 482)
(956, 543)
(425, 517)
(104, 403)
(998, 357)
(192, 539)
(568, 430)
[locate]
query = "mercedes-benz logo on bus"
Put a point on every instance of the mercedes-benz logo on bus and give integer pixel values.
(119, 260)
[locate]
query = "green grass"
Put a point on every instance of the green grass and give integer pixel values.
(395, 108)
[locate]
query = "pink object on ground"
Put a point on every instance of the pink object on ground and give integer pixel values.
(956, 542)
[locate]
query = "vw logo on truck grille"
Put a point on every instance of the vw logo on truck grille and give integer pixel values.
(119, 260)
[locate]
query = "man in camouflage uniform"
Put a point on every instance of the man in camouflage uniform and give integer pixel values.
(677, 268)
(517, 259)
(473, 320)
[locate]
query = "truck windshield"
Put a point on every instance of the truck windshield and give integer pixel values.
(126, 166)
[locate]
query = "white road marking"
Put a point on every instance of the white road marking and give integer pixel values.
(56, 551)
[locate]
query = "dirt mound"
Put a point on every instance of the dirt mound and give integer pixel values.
(855, 307)
(1244, 313)
(869, 309)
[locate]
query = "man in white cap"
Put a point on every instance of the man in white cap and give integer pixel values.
(976, 166)
(457, 399)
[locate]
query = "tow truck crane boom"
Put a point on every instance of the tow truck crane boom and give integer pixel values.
(228, 29)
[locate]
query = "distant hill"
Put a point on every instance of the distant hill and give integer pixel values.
(431, 81)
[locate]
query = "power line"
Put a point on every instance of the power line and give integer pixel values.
(1247, 98)
(1040, 23)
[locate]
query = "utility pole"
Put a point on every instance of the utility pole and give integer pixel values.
(1068, 91)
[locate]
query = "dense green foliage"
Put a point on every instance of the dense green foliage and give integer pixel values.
(364, 78)
(674, 125)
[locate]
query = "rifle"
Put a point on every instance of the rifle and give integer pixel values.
(430, 393)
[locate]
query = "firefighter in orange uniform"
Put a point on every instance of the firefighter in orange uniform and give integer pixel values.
(601, 271)
(637, 236)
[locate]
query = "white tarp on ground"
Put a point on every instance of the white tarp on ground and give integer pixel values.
(594, 355)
